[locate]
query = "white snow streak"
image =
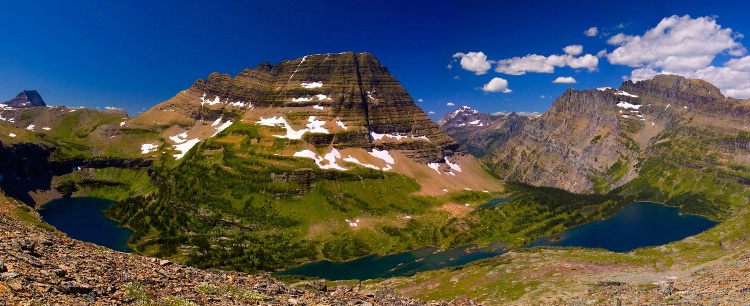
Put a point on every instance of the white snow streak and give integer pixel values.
(384, 155)
(452, 165)
(622, 93)
(185, 147)
(30, 127)
(626, 105)
(12, 135)
(312, 85)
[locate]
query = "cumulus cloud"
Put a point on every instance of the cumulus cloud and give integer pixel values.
(573, 49)
(546, 64)
(542, 97)
(676, 43)
(450, 104)
(431, 112)
(686, 46)
(474, 61)
(420, 100)
(496, 85)
(592, 31)
(564, 80)
(602, 53)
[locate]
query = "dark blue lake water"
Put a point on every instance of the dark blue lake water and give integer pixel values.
(637, 225)
(83, 219)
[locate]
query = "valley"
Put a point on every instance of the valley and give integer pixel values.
(327, 157)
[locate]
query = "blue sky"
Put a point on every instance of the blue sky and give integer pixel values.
(135, 54)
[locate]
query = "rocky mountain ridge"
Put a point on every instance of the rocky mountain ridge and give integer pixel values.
(479, 132)
(26, 98)
(594, 140)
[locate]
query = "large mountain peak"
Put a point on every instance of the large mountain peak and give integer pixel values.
(345, 104)
(26, 98)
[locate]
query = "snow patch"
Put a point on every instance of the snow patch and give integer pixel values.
(30, 127)
(314, 126)
(12, 135)
(318, 107)
(626, 105)
(623, 93)
(185, 147)
(222, 127)
(330, 157)
(434, 166)
(217, 122)
(215, 101)
(452, 165)
(148, 148)
(356, 161)
(341, 124)
(312, 85)
(376, 136)
(179, 138)
(384, 155)
(301, 99)
(122, 123)
(322, 97)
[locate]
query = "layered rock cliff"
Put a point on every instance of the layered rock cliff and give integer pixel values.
(595, 140)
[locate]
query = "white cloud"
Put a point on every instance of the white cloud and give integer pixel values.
(546, 64)
(565, 80)
(592, 31)
(542, 97)
(420, 100)
(602, 53)
(573, 49)
(431, 113)
(497, 85)
(450, 66)
(474, 61)
(456, 77)
(686, 47)
(521, 65)
(675, 44)
(450, 104)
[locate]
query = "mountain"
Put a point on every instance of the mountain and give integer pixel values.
(478, 132)
(596, 140)
(25, 99)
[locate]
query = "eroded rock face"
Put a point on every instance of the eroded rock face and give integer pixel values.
(25, 99)
(347, 87)
(591, 140)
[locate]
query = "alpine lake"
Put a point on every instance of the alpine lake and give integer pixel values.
(639, 224)
(83, 219)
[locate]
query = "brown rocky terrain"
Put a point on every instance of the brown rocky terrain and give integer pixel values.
(41, 266)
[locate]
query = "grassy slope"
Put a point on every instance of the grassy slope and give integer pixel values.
(218, 208)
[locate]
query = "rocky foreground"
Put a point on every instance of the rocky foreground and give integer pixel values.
(41, 266)
(726, 282)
